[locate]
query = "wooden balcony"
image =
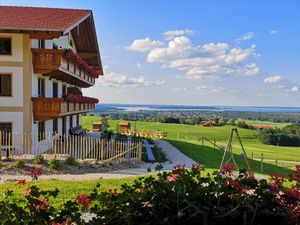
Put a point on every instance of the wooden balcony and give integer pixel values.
(54, 64)
(52, 108)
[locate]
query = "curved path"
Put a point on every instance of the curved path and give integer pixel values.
(173, 154)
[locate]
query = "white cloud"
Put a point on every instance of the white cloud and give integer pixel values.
(138, 65)
(171, 34)
(273, 31)
(295, 89)
(211, 89)
(143, 45)
(245, 37)
(273, 79)
(207, 60)
(112, 79)
(179, 89)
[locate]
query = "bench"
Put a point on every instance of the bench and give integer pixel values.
(77, 131)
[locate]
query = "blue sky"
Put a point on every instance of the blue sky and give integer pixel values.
(195, 52)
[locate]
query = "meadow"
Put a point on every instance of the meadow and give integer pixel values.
(187, 137)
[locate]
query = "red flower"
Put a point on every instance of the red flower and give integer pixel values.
(198, 167)
(83, 200)
(227, 168)
(173, 177)
(250, 175)
(35, 172)
(21, 182)
(44, 205)
(27, 191)
(179, 167)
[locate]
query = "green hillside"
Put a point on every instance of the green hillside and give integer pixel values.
(189, 136)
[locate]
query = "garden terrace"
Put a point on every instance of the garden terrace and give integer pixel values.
(51, 108)
(64, 65)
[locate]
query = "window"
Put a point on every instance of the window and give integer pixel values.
(64, 90)
(55, 126)
(5, 46)
(41, 88)
(71, 122)
(77, 120)
(41, 130)
(6, 128)
(55, 90)
(5, 85)
(41, 43)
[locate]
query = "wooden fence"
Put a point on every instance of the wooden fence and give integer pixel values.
(26, 146)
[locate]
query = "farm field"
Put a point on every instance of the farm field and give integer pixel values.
(192, 134)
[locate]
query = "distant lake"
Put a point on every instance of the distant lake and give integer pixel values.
(136, 108)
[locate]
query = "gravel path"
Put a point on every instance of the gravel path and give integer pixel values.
(172, 153)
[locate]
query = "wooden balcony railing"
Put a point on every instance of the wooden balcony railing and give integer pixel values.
(52, 108)
(53, 63)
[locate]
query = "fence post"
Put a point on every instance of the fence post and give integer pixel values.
(202, 141)
(276, 162)
(262, 162)
(252, 155)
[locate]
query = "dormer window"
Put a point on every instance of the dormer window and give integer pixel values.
(5, 46)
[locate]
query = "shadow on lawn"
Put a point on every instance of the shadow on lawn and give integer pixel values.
(211, 158)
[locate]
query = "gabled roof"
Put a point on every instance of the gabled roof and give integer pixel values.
(40, 19)
(49, 23)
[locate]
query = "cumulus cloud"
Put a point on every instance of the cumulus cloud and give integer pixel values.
(273, 31)
(112, 79)
(245, 37)
(143, 45)
(207, 60)
(179, 89)
(273, 79)
(295, 89)
(171, 34)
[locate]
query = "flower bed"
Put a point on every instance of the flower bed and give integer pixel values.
(178, 197)
(76, 59)
(74, 98)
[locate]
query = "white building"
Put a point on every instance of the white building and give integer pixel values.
(46, 57)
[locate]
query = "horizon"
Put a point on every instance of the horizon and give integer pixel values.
(198, 53)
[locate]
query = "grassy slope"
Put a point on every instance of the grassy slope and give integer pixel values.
(68, 190)
(187, 137)
(191, 134)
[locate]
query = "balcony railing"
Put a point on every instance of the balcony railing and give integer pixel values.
(52, 108)
(54, 63)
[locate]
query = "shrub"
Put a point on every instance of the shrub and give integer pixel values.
(242, 124)
(53, 164)
(38, 159)
(70, 161)
(180, 196)
(20, 163)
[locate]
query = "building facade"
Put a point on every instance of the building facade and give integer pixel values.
(47, 57)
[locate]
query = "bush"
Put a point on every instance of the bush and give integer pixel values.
(53, 164)
(20, 163)
(242, 124)
(70, 161)
(38, 159)
(287, 136)
(179, 197)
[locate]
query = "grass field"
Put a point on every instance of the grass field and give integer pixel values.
(191, 134)
(68, 190)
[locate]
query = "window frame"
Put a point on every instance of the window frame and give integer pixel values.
(11, 84)
(41, 87)
(55, 126)
(11, 46)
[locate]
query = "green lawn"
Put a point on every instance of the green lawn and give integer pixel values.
(192, 134)
(68, 189)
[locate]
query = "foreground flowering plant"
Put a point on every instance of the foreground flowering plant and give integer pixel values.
(181, 196)
(75, 98)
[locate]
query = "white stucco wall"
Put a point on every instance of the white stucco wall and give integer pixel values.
(17, 48)
(17, 87)
(16, 118)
